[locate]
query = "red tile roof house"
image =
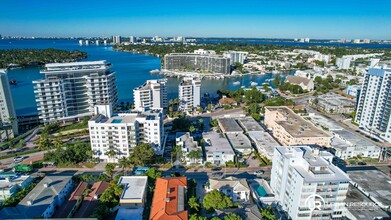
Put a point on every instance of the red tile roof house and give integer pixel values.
(77, 194)
(91, 200)
(169, 199)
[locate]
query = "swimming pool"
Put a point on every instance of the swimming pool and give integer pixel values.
(116, 121)
(261, 191)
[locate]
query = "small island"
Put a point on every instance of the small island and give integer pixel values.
(36, 57)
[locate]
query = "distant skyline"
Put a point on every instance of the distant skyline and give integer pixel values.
(333, 19)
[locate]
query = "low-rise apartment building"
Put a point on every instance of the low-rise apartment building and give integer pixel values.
(291, 129)
(133, 198)
(218, 150)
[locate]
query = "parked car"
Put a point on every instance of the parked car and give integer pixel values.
(216, 169)
(259, 172)
(217, 174)
(362, 163)
(16, 159)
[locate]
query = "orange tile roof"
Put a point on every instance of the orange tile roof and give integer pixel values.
(162, 209)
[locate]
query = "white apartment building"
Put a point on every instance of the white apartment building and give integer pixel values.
(374, 105)
(132, 39)
(8, 123)
(343, 63)
(218, 150)
(71, 90)
(152, 94)
(307, 185)
(236, 56)
(120, 134)
(189, 91)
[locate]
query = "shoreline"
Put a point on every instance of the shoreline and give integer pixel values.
(174, 74)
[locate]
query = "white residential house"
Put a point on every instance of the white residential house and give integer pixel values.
(12, 183)
(188, 145)
(237, 190)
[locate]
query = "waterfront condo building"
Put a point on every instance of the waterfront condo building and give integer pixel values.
(374, 105)
(306, 183)
(189, 91)
(236, 56)
(208, 63)
(152, 94)
(8, 123)
(70, 90)
(115, 137)
(291, 129)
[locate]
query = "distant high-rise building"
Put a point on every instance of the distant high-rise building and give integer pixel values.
(8, 121)
(343, 63)
(152, 94)
(367, 41)
(105, 42)
(116, 39)
(189, 91)
(236, 56)
(342, 40)
(306, 183)
(201, 62)
(374, 106)
(357, 41)
(87, 42)
(132, 39)
(307, 40)
(97, 42)
(80, 42)
(71, 90)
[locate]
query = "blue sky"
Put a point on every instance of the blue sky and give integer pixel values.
(203, 18)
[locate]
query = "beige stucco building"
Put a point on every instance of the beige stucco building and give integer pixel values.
(291, 129)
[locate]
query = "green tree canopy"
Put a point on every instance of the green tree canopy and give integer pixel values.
(216, 200)
(142, 154)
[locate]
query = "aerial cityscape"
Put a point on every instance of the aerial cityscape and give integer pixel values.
(207, 110)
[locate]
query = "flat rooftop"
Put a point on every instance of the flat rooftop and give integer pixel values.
(295, 125)
(134, 186)
(216, 142)
(375, 183)
(13, 180)
(123, 119)
(352, 138)
(239, 141)
(336, 100)
(318, 119)
(249, 124)
(188, 141)
(314, 159)
(369, 211)
(99, 62)
(264, 142)
(229, 125)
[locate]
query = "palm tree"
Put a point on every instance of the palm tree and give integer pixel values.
(123, 163)
(194, 204)
(111, 154)
(192, 129)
